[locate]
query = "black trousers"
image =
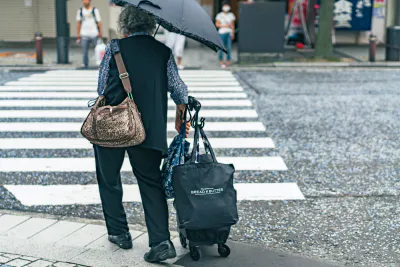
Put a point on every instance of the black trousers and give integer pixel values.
(146, 168)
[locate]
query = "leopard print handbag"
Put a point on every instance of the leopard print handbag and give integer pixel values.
(115, 126)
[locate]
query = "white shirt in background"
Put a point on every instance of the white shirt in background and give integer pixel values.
(225, 18)
(88, 27)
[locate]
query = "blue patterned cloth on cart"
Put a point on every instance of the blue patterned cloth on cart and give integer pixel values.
(177, 153)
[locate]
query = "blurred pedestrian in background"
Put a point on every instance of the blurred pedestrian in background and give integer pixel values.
(177, 44)
(225, 22)
(89, 28)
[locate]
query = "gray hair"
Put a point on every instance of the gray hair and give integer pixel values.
(133, 20)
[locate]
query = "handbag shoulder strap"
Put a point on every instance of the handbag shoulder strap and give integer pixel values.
(123, 74)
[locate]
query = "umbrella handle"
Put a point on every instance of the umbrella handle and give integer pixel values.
(148, 3)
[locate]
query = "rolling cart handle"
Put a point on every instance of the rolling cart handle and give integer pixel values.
(194, 104)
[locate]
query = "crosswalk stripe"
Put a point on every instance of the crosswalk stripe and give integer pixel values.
(222, 99)
(88, 164)
(80, 143)
(75, 127)
(81, 114)
(182, 73)
(69, 83)
(28, 88)
(83, 103)
(86, 95)
(32, 195)
(94, 75)
(94, 79)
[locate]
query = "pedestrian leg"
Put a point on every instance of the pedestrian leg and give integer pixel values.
(108, 166)
(179, 49)
(171, 40)
(221, 53)
(146, 167)
(228, 47)
(85, 50)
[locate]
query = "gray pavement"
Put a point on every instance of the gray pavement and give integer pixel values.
(48, 241)
(200, 57)
(195, 57)
(361, 52)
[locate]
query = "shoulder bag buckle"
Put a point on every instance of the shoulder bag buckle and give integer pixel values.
(124, 75)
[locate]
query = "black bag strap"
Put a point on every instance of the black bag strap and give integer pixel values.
(94, 14)
(207, 145)
(95, 18)
(123, 74)
(196, 147)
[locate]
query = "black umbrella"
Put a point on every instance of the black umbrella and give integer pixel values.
(185, 17)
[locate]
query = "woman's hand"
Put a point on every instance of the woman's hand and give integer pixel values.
(179, 119)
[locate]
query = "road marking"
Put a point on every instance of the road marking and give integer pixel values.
(81, 143)
(28, 88)
(76, 127)
(81, 114)
(88, 95)
(93, 76)
(83, 103)
(82, 84)
(184, 73)
(88, 164)
(268, 191)
(69, 83)
(63, 79)
(32, 195)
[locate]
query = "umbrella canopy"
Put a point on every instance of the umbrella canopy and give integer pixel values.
(185, 17)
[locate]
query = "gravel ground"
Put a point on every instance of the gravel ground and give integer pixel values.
(338, 133)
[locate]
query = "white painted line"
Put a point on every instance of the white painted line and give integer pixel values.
(32, 195)
(268, 191)
(81, 114)
(95, 72)
(255, 163)
(81, 143)
(70, 83)
(64, 79)
(90, 95)
(75, 127)
(27, 88)
(88, 164)
(95, 75)
(83, 103)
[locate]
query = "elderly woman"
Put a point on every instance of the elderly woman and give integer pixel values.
(153, 73)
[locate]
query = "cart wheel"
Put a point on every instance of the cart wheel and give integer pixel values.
(195, 253)
(224, 250)
(183, 240)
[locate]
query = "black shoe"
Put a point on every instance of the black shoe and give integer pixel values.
(161, 252)
(123, 241)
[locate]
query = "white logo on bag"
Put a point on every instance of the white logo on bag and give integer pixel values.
(207, 191)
